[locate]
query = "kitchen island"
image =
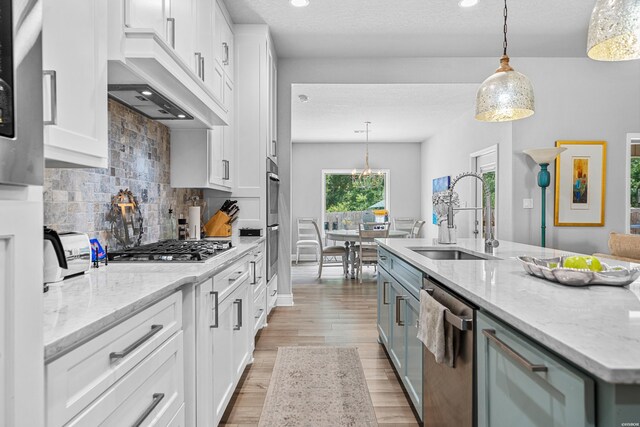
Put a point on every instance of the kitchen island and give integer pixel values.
(594, 330)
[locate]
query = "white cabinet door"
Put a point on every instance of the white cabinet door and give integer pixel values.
(272, 148)
(204, 43)
(182, 29)
(243, 328)
(224, 43)
(215, 140)
(21, 349)
(228, 134)
(147, 14)
(223, 357)
(74, 43)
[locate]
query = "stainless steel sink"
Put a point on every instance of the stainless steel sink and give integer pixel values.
(452, 254)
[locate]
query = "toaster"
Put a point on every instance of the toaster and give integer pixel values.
(65, 255)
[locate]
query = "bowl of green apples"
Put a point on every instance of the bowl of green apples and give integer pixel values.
(579, 270)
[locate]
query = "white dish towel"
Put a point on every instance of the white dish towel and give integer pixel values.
(433, 331)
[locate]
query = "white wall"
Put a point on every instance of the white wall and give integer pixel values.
(309, 159)
(448, 153)
(576, 99)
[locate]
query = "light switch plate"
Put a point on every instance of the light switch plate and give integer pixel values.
(527, 203)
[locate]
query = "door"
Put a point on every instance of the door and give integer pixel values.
(398, 308)
(21, 349)
(215, 142)
(242, 328)
(147, 14)
(413, 372)
(384, 307)
(223, 356)
(182, 26)
(203, 54)
(74, 60)
(519, 383)
(486, 165)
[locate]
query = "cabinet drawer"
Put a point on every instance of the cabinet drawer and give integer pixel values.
(151, 394)
(521, 383)
(226, 281)
(256, 271)
(384, 259)
(272, 295)
(76, 379)
(259, 310)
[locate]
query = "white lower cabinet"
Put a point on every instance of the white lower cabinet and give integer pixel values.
(132, 371)
(224, 335)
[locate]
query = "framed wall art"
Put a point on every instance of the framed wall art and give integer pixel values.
(438, 185)
(581, 174)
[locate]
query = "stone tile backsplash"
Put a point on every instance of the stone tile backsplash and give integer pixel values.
(139, 156)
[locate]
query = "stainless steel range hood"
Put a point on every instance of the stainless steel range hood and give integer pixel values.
(147, 101)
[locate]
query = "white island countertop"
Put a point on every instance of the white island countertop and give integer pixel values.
(78, 308)
(597, 328)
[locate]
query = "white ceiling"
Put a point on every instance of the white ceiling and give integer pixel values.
(397, 112)
(414, 28)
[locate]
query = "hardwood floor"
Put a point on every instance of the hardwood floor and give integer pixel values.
(332, 311)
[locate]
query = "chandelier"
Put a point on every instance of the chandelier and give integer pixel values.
(366, 177)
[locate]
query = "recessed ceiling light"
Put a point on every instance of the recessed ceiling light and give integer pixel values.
(303, 98)
(181, 116)
(299, 3)
(147, 93)
(467, 3)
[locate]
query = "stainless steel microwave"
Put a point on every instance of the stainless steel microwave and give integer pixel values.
(21, 126)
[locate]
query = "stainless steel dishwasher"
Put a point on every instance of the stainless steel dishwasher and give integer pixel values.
(448, 398)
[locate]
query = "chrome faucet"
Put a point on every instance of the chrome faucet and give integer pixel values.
(490, 242)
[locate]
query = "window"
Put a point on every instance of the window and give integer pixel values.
(485, 164)
(345, 201)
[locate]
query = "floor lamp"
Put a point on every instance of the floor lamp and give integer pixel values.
(543, 157)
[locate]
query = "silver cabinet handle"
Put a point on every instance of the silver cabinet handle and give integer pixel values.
(225, 46)
(238, 302)
(399, 299)
(202, 68)
(157, 398)
(172, 33)
(53, 101)
(236, 277)
(385, 286)
(214, 294)
(275, 291)
(225, 167)
(198, 56)
(274, 148)
(491, 335)
(124, 353)
(253, 267)
(382, 258)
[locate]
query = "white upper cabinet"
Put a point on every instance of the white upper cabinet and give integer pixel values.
(74, 42)
(223, 42)
(151, 14)
(204, 44)
(181, 29)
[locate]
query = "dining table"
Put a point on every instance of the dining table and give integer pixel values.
(350, 237)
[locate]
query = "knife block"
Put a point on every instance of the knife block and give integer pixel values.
(218, 226)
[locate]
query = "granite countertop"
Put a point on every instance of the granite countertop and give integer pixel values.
(78, 308)
(596, 328)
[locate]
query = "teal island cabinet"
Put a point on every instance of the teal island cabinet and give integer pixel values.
(398, 310)
(545, 355)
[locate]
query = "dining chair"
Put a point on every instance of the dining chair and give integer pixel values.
(367, 252)
(307, 237)
(331, 252)
(415, 230)
(404, 224)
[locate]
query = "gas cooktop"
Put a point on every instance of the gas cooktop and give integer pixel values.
(172, 251)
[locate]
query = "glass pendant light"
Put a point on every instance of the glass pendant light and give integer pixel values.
(506, 95)
(614, 31)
